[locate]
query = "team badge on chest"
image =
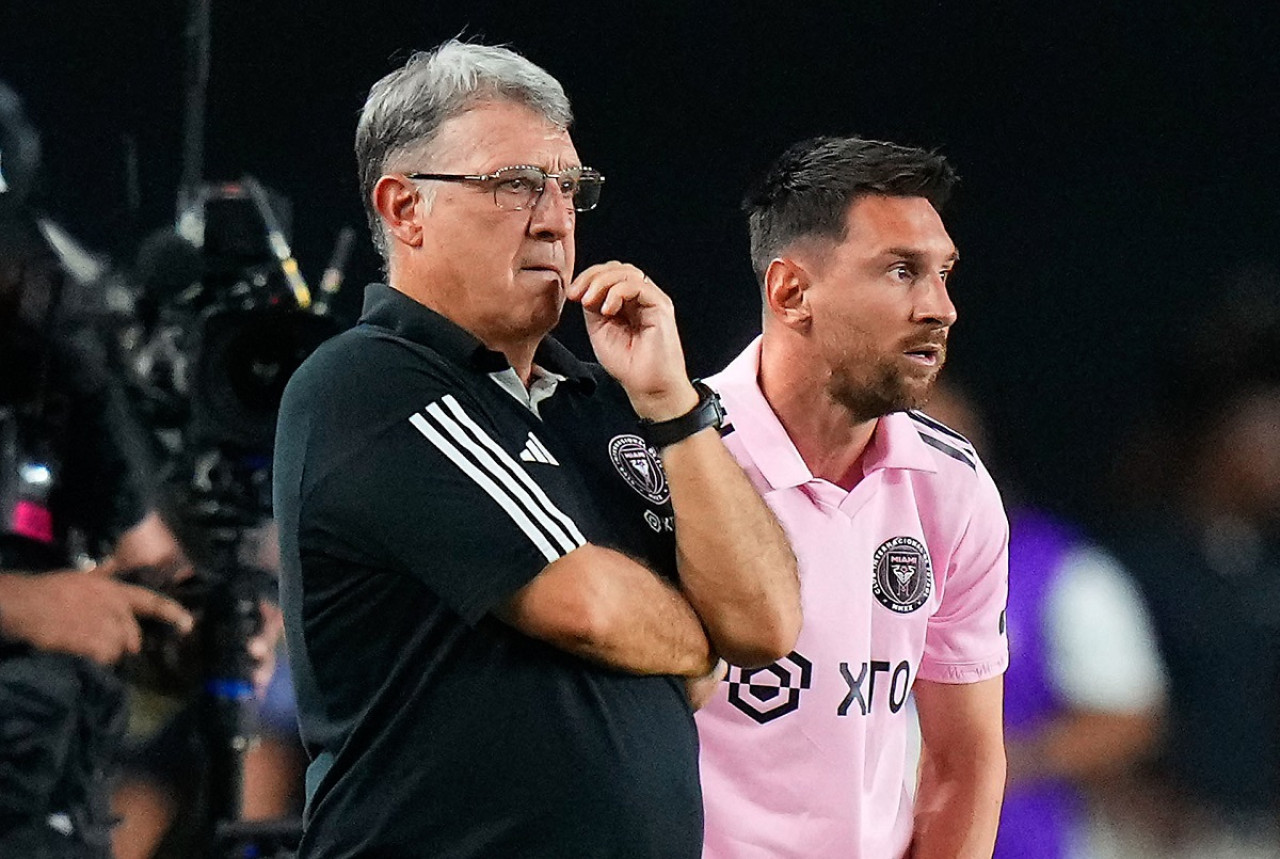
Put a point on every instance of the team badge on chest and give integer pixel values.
(639, 467)
(903, 574)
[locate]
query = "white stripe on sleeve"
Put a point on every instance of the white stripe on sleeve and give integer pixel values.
(497, 493)
(513, 468)
(493, 469)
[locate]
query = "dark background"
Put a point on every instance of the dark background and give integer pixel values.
(1119, 165)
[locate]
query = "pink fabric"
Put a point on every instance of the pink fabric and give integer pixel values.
(33, 521)
(791, 765)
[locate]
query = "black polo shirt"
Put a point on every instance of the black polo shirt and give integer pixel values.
(414, 496)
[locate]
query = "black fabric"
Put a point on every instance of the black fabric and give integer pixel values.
(61, 716)
(61, 719)
(451, 734)
(72, 414)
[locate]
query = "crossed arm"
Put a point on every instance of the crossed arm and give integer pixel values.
(738, 594)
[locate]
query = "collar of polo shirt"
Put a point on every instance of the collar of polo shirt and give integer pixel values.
(389, 308)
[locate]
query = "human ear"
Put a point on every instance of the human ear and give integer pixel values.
(786, 284)
(396, 200)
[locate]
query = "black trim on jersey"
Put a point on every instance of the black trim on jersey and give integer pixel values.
(954, 453)
(921, 417)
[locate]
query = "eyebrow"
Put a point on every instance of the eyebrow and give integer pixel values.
(913, 254)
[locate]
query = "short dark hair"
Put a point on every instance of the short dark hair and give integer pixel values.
(808, 190)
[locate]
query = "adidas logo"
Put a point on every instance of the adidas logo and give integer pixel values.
(535, 451)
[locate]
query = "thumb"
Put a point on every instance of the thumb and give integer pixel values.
(106, 568)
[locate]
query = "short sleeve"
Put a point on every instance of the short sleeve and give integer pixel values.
(434, 494)
(965, 641)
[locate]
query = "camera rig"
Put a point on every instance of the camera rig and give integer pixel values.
(225, 317)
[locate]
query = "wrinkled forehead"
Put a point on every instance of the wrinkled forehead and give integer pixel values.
(495, 134)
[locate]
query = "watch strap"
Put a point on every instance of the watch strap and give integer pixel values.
(707, 413)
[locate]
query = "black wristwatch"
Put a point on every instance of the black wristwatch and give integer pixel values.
(707, 413)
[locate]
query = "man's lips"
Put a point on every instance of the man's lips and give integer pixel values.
(928, 354)
(548, 269)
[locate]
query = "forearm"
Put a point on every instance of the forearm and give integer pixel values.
(962, 769)
(21, 603)
(958, 807)
(736, 566)
(606, 607)
(1082, 745)
(656, 631)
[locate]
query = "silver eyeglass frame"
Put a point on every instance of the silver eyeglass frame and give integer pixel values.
(495, 178)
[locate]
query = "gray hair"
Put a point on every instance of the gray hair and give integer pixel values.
(406, 109)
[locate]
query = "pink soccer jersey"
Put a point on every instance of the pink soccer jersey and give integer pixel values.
(904, 577)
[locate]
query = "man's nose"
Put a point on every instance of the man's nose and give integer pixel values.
(934, 304)
(553, 215)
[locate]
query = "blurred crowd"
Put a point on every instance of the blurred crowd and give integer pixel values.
(1143, 701)
(1142, 708)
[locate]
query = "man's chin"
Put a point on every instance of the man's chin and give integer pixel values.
(907, 397)
(917, 394)
(544, 316)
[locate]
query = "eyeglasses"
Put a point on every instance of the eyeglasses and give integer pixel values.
(521, 186)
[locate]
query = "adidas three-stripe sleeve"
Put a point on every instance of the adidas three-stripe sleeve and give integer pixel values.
(438, 488)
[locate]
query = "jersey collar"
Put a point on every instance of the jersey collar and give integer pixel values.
(389, 308)
(895, 444)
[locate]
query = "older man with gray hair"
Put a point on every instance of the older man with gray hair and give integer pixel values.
(505, 570)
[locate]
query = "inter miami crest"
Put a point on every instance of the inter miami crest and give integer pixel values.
(903, 574)
(640, 467)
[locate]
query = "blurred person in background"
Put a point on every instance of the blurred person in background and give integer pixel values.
(1201, 534)
(69, 492)
(77, 484)
(1085, 687)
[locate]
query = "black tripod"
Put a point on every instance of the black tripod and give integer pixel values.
(227, 508)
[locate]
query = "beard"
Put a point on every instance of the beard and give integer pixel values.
(868, 390)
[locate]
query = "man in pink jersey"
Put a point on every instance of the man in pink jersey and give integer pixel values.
(898, 528)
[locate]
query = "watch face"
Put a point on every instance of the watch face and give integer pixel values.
(710, 400)
(719, 409)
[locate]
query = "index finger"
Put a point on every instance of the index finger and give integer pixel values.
(612, 271)
(151, 604)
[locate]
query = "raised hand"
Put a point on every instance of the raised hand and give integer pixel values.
(632, 326)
